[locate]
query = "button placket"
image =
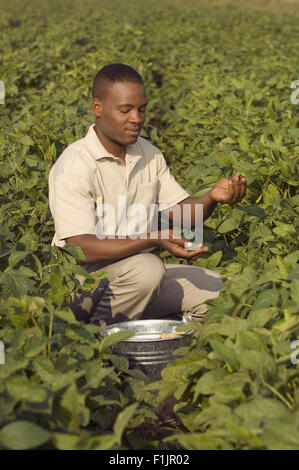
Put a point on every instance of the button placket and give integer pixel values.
(128, 169)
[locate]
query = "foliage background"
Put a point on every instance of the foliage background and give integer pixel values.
(218, 79)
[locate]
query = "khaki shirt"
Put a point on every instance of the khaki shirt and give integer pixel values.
(86, 179)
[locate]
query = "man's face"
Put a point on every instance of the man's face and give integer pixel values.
(121, 112)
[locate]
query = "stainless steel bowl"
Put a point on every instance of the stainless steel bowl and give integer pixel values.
(146, 350)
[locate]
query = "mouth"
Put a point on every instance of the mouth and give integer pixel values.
(133, 131)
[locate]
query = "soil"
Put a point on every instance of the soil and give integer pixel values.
(167, 425)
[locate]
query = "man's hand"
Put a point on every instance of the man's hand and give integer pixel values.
(176, 246)
(229, 190)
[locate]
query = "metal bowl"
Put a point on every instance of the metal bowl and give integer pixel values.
(147, 350)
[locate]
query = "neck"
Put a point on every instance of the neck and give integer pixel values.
(118, 150)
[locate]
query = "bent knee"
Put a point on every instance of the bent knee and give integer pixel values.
(149, 270)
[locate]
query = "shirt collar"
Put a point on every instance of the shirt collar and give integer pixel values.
(98, 151)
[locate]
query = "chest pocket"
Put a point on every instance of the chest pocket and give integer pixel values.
(140, 206)
(147, 193)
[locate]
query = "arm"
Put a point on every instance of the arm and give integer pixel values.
(96, 250)
(207, 202)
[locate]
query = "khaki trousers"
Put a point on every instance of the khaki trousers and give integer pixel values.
(142, 287)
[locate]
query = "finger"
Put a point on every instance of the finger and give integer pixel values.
(231, 190)
(179, 252)
(234, 191)
(240, 189)
(243, 187)
(183, 242)
(194, 254)
(236, 183)
(237, 192)
(173, 237)
(236, 177)
(188, 245)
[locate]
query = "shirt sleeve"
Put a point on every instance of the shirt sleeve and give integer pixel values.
(72, 206)
(169, 191)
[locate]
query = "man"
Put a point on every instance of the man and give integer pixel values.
(113, 165)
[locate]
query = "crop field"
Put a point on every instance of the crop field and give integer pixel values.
(218, 77)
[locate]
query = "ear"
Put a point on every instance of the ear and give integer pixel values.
(97, 106)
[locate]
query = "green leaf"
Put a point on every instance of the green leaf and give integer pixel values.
(7, 405)
(243, 142)
(259, 362)
(281, 434)
(123, 419)
(284, 272)
(295, 290)
(227, 392)
(67, 315)
(64, 441)
(23, 435)
(257, 410)
(26, 140)
(13, 366)
(214, 416)
(113, 338)
(22, 389)
(84, 350)
(70, 408)
(50, 375)
(103, 442)
(15, 281)
(263, 300)
(288, 324)
(228, 225)
(81, 334)
(214, 260)
(230, 326)
(73, 250)
(271, 194)
(283, 229)
(16, 256)
(250, 340)
(167, 389)
(207, 383)
(253, 210)
(34, 346)
(198, 441)
(120, 363)
(95, 380)
(226, 353)
(261, 317)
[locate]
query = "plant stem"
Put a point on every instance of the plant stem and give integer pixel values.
(37, 326)
(275, 392)
(50, 332)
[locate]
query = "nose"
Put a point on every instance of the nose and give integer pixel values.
(137, 117)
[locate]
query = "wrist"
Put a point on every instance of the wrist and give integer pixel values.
(152, 238)
(211, 198)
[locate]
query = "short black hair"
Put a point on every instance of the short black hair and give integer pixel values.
(113, 73)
